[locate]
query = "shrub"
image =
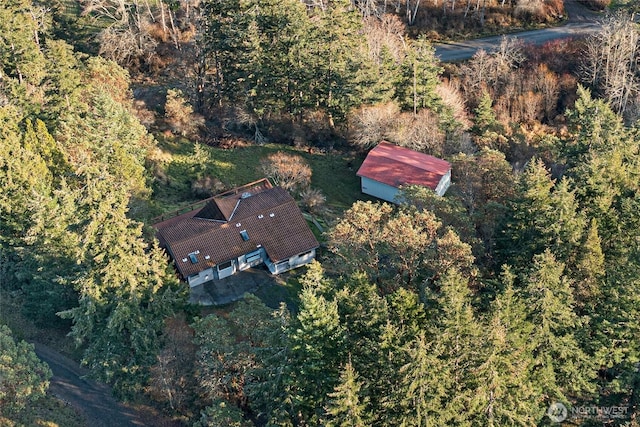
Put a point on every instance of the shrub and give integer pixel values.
(313, 200)
(290, 172)
(179, 114)
(206, 187)
(596, 4)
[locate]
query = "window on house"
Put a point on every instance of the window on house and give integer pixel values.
(253, 256)
(193, 258)
(245, 235)
(224, 265)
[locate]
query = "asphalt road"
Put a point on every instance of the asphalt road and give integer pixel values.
(93, 400)
(581, 22)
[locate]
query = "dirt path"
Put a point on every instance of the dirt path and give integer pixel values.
(93, 400)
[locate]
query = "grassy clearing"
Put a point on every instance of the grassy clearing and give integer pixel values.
(177, 167)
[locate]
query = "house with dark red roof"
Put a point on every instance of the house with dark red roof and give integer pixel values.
(242, 228)
(388, 167)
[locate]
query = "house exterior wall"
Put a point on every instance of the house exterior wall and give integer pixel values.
(389, 193)
(251, 259)
(444, 184)
(200, 278)
(223, 270)
(378, 189)
(247, 261)
(291, 263)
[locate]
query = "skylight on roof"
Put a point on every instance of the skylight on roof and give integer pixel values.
(245, 235)
(193, 258)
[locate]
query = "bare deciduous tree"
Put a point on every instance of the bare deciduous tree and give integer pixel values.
(313, 199)
(548, 86)
(373, 123)
(125, 46)
(370, 8)
(290, 172)
(612, 58)
(412, 11)
(420, 132)
(451, 96)
(488, 71)
(388, 33)
(127, 37)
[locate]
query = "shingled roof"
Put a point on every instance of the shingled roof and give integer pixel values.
(396, 166)
(269, 218)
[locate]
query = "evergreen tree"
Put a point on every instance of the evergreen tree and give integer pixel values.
(109, 138)
(220, 413)
(506, 394)
(458, 332)
(423, 394)
(317, 351)
(560, 367)
(542, 215)
(27, 186)
(485, 118)
(347, 408)
(20, 50)
(49, 258)
(366, 316)
(23, 377)
(419, 77)
(63, 80)
(276, 75)
(340, 69)
(270, 390)
(37, 139)
(589, 272)
(220, 365)
(125, 291)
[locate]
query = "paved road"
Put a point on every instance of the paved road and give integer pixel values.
(581, 22)
(91, 399)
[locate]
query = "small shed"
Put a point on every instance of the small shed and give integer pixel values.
(388, 167)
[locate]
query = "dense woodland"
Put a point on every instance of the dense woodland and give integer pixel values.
(516, 290)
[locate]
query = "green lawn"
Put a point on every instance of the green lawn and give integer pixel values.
(333, 173)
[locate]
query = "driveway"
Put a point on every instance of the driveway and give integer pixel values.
(581, 23)
(232, 288)
(93, 400)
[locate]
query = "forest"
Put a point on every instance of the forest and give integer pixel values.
(511, 298)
